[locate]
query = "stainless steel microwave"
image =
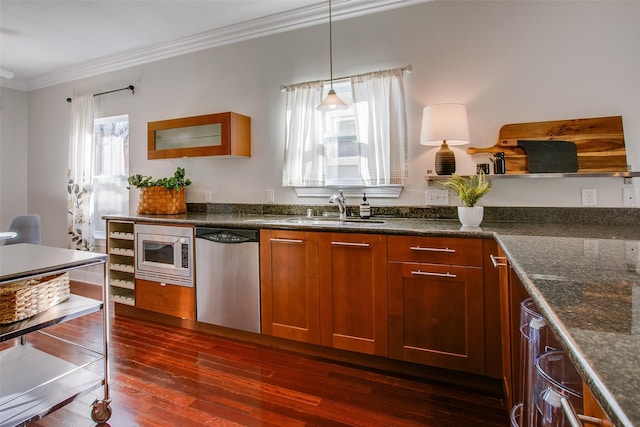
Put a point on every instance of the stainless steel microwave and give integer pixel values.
(164, 254)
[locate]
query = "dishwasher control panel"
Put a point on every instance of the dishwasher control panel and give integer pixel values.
(227, 236)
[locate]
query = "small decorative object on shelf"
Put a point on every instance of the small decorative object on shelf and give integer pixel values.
(162, 196)
(470, 190)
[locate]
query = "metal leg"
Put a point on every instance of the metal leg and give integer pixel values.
(101, 411)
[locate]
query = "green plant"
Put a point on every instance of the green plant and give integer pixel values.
(470, 189)
(175, 182)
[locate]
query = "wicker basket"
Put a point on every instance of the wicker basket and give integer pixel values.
(26, 298)
(159, 200)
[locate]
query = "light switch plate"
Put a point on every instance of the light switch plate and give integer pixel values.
(270, 196)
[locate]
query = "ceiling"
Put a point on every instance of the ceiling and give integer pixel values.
(47, 42)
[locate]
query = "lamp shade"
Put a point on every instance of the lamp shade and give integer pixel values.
(445, 122)
(332, 102)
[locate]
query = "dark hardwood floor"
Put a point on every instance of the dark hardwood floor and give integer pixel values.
(168, 376)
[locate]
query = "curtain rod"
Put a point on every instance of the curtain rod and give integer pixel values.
(407, 68)
(130, 87)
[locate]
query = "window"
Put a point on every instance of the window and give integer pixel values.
(111, 169)
(339, 136)
(364, 146)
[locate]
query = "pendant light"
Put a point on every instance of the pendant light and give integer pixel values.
(332, 101)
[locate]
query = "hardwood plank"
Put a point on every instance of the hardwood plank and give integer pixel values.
(164, 375)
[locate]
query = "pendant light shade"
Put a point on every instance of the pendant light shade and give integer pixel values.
(331, 101)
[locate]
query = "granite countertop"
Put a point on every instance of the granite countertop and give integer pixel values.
(585, 279)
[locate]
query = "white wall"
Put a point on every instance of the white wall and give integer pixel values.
(510, 62)
(13, 155)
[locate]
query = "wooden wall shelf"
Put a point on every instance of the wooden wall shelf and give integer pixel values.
(438, 178)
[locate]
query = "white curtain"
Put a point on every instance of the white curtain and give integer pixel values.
(381, 127)
(304, 156)
(80, 175)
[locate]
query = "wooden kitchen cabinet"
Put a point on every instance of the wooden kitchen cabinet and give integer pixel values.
(173, 300)
(353, 292)
(222, 134)
(512, 293)
(593, 409)
(289, 285)
(325, 288)
(436, 302)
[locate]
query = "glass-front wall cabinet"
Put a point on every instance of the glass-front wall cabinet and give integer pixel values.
(223, 134)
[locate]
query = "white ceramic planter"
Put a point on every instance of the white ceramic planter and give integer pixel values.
(470, 216)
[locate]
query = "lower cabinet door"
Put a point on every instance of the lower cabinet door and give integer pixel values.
(289, 285)
(178, 301)
(436, 315)
(353, 292)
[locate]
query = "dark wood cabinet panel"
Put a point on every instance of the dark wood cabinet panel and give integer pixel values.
(353, 292)
(289, 285)
(178, 301)
(436, 315)
(492, 310)
(436, 250)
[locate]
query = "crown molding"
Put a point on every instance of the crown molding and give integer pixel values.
(278, 23)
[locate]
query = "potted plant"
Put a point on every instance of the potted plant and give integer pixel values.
(163, 195)
(469, 190)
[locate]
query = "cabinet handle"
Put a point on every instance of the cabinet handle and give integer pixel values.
(286, 240)
(495, 261)
(426, 273)
(418, 248)
(361, 245)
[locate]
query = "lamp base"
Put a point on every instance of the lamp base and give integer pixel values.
(445, 160)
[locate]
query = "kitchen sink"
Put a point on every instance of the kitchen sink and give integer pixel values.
(322, 220)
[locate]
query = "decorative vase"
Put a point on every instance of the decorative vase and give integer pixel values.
(470, 216)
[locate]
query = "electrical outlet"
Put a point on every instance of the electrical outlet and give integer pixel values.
(590, 248)
(589, 197)
(270, 196)
(208, 197)
(632, 251)
(630, 197)
(437, 197)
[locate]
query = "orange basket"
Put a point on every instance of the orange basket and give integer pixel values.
(162, 201)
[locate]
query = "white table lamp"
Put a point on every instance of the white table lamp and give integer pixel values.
(444, 125)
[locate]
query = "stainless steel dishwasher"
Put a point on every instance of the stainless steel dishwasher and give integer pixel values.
(228, 278)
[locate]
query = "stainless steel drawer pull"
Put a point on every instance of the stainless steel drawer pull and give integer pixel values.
(498, 261)
(426, 273)
(362, 245)
(418, 248)
(286, 240)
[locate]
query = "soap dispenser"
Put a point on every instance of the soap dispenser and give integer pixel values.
(365, 208)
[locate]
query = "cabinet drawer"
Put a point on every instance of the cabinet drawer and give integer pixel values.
(435, 250)
(179, 301)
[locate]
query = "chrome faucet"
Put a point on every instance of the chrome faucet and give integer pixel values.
(342, 204)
